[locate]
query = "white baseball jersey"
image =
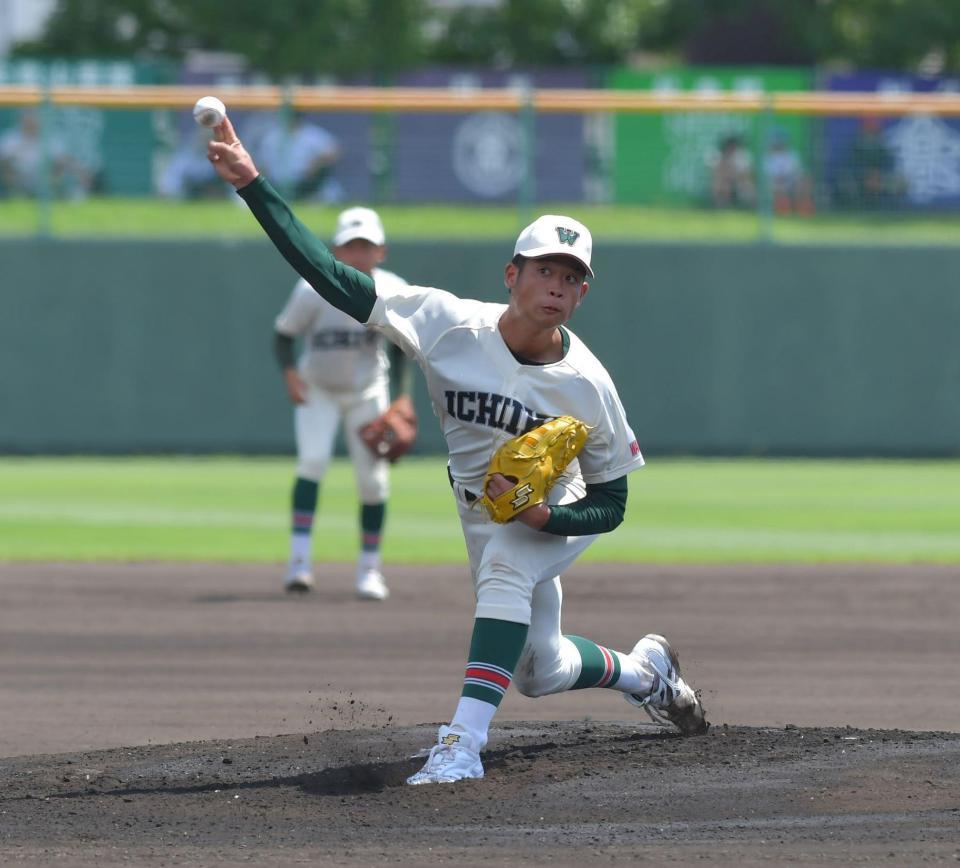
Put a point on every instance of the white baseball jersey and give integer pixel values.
(339, 354)
(484, 396)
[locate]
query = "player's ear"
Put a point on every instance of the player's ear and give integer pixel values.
(510, 273)
(584, 288)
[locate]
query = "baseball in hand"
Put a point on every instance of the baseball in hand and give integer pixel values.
(209, 111)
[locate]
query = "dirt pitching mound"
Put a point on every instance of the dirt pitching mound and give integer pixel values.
(567, 793)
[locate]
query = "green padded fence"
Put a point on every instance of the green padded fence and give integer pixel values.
(140, 347)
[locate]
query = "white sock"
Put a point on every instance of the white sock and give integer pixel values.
(300, 549)
(369, 561)
(474, 717)
(635, 677)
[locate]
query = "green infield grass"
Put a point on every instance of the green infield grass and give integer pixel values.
(706, 511)
(151, 218)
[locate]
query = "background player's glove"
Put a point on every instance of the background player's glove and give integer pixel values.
(393, 432)
(533, 462)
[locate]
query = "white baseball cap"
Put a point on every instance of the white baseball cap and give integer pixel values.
(556, 235)
(359, 223)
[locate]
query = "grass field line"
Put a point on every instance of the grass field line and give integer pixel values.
(716, 536)
(139, 515)
(237, 508)
(837, 541)
(136, 515)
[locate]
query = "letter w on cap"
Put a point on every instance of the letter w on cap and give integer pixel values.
(567, 236)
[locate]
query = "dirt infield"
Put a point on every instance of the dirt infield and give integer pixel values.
(158, 714)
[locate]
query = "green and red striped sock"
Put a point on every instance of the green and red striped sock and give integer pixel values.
(372, 517)
(495, 649)
(601, 666)
(304, 505)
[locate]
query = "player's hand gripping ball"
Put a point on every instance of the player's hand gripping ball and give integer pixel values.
(532, 462)
(209, 111)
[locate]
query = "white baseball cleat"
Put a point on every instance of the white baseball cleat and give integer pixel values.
(453, 758)
(670, 700)
(299, 580)
(371, 585)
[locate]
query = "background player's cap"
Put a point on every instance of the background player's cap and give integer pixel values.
(359, 223)
(555, 235)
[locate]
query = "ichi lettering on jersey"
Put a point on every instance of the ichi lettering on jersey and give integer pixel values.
(338, 353)
(493, 410)
(340, 339)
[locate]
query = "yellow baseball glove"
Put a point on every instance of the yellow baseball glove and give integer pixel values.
(533, 462)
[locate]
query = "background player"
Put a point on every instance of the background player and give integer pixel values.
(342, 375)
(493, 371)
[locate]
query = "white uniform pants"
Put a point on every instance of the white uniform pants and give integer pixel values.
(516, 574)
(315, 425)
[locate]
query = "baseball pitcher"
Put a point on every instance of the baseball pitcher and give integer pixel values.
(539, 454)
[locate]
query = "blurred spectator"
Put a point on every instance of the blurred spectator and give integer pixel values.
(188, 174)
(789, 184)
(29, 158)
(731, 174)
(869, 177)
(299, 158)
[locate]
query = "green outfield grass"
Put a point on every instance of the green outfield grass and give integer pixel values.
(708, 511)
(150, 218)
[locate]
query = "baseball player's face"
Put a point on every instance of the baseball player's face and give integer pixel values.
(361, 254)
(546, 291)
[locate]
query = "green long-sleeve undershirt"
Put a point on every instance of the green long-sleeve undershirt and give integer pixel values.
(600, 511)
(344, 287)
(355, 293)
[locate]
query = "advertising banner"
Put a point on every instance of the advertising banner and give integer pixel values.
(908, 161)
(667, 158)
(425, 156)
(282, 143)
(480, 156)
(110, 151)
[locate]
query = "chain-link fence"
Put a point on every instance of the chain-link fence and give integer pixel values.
(729, 162)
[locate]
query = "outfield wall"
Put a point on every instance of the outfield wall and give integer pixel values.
(166, 346)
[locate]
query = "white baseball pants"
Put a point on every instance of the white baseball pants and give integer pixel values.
(516, 574)
(315, 426)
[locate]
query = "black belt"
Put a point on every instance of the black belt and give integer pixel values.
(468, 496)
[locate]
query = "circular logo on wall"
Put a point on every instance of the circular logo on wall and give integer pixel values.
(488, 153)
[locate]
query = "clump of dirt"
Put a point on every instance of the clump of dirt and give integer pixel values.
(341, 709)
